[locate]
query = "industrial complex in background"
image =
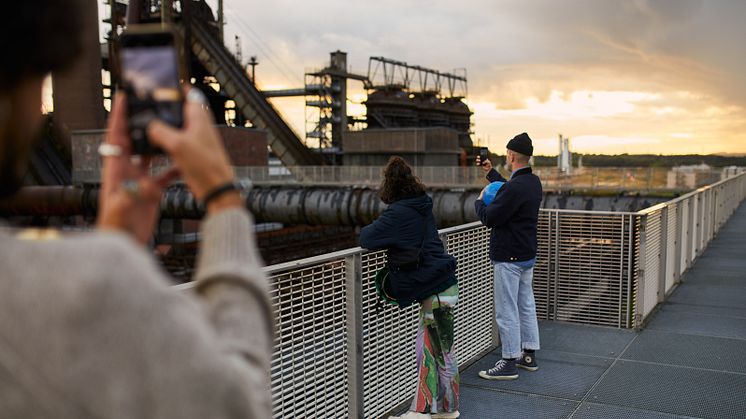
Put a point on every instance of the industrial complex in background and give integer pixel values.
(313, 189)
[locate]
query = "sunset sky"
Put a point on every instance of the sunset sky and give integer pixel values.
(634, 76)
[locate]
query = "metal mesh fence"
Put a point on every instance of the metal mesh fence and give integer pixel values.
(591, 281)
(338, 354)
(652, 260)
(675, 234)
(671, 242)
(308, 369)
(388, 346)
(474, 312)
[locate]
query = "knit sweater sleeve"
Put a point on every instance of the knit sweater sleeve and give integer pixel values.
(103, 333)
(234, 292)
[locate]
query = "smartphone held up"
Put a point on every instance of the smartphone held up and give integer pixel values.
(481, 156)
(150, 76)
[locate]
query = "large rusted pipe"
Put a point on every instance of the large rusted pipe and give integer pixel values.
(291, 205)
(344, 206)
(50, 201)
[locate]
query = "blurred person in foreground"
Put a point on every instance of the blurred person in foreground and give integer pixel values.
(90, 326)
(408, 223)
(512, 217)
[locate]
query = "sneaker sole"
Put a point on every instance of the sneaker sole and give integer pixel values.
(527, 368)
(484, 375)
(452, 415)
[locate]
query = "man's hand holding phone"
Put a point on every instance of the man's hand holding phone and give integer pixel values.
(485, 164)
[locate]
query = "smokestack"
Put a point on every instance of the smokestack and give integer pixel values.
(78, 92)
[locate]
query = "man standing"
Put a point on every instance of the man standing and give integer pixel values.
(512, 216)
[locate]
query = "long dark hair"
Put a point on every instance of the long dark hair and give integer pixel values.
(399, 182)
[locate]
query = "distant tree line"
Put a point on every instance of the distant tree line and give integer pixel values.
(645, 160)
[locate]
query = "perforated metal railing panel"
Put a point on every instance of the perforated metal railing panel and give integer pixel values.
(474, 312)
(684, 235)
(389, 334)
(591, 283)
(543, 270)
(671, 243)
(308, 369)
(652, 252)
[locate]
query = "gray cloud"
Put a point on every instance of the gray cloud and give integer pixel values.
(676, 44)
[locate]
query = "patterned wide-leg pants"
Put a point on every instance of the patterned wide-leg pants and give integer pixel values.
(437, 369)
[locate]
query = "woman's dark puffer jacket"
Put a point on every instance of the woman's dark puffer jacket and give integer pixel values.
(400, 226)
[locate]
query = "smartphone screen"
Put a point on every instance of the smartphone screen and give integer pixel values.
(150, 76)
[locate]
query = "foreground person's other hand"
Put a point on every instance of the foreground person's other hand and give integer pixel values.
(198, 152)
(129, 198)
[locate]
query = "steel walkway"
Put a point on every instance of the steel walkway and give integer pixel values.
(689, 361)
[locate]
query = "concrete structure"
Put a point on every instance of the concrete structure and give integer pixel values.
(731, 171)
(246, 147)
(691, 177)
(418, 146)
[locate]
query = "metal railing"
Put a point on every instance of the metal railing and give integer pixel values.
(338, 353)
(673, 234)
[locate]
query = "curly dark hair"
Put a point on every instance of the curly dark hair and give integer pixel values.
(38, 36)
(399, 182)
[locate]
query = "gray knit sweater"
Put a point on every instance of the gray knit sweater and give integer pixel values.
(90, 328)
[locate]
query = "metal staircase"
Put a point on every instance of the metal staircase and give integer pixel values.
(249, 100)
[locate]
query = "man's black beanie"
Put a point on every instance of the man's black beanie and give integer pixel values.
(521, 143)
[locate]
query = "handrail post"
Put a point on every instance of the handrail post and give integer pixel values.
(640, 304)
(354, 300)
(677, 244)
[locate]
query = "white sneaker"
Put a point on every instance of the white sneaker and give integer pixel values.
(446, 415)
(412, 415)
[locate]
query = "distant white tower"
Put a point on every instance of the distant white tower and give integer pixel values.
(564, 158)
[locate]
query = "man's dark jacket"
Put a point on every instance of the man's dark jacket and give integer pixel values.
(512, 216)
(402, 225)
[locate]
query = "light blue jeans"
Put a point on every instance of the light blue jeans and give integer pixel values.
(515, 308)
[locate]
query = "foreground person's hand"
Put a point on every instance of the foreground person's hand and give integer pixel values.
(198, 152)
(129, 198)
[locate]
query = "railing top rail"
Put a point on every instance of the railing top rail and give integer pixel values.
(460, 228)
(587, 212)
(313, 260)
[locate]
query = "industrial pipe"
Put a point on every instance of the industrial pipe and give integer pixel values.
(342, 206)
(348, 206)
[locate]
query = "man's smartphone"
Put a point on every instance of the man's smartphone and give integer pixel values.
(482, 155)
(150, 76)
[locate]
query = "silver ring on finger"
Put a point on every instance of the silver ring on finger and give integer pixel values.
(110, 150)
(131, 187)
